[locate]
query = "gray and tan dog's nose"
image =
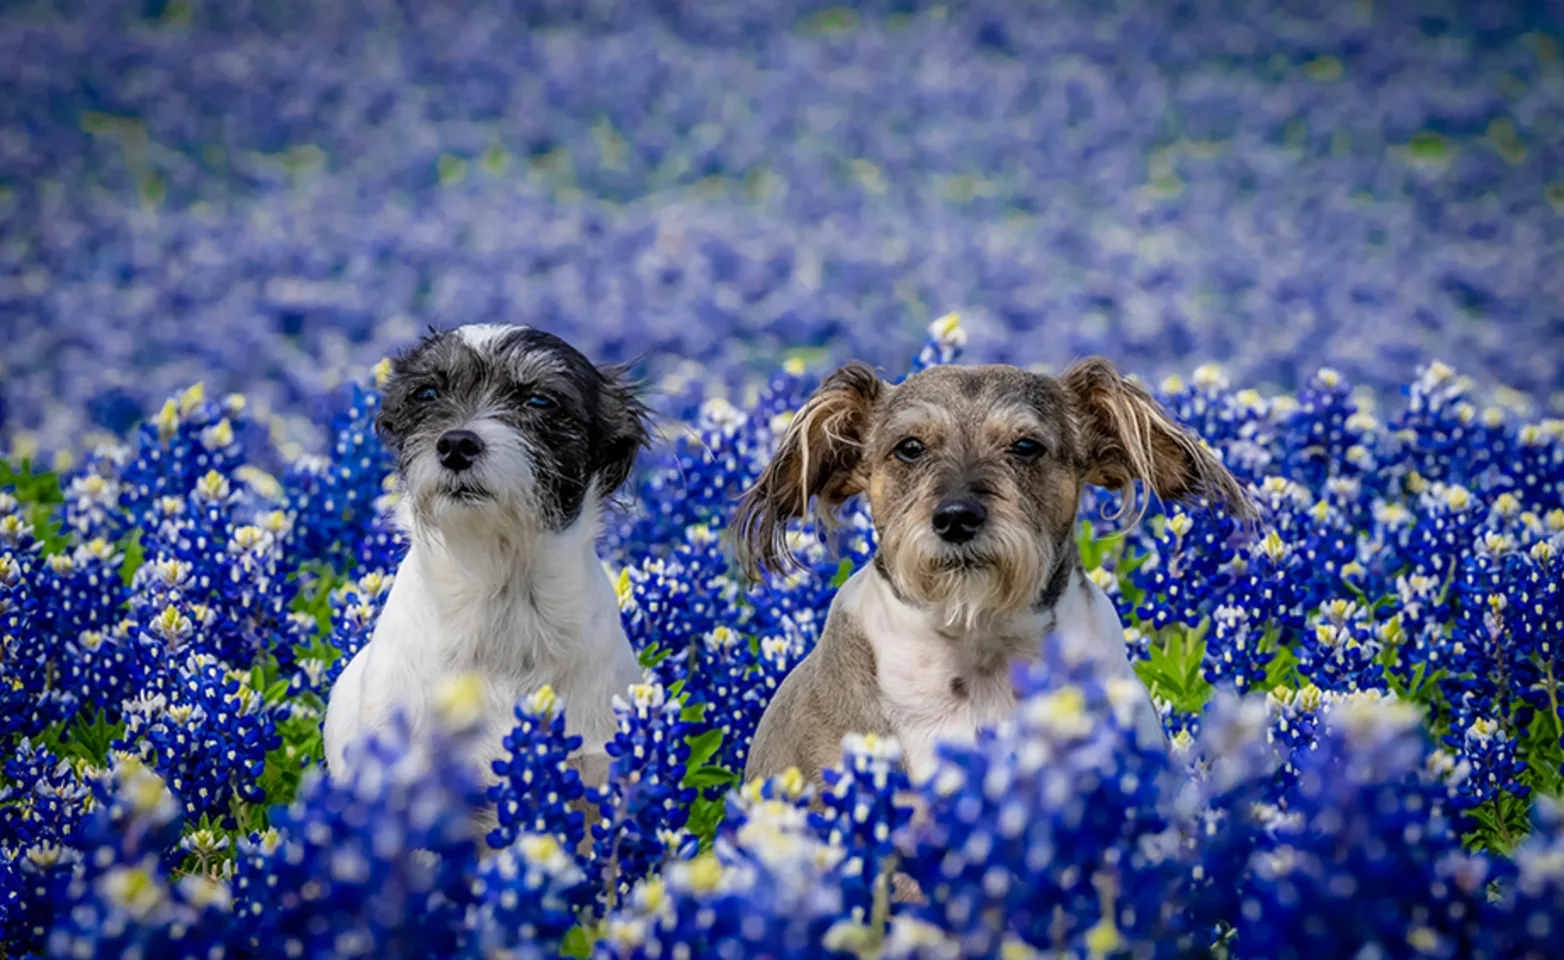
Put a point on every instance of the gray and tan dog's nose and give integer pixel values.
(458, 449)
(957, 521)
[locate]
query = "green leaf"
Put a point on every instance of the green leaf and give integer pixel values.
(694, 713)
(652, 656)
(135, 555)
(577, 943)
(1281, 671)
(276, 692)
(703, 748)
(705, 816)
(709, 776)
(30, 487)
(88, 738)
(844, 570)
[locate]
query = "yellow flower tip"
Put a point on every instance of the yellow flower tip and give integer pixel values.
(1274, 546)
(1329, 377)
(1062, 711)
(1309, 697)
(192, 398)
(653, 893)
(624, 589)
(133, 889)
(213, 486)
(63, 460)
(459, 700)
(167, 419)
(793, 366)
(247, 537)
(1180, 524)
(1439, 372)
(1210, 376)
(1457, 498)
(947, 327)
(381, 373)
(543, 701)
(1102, 578)
(792, 782)
(704, 874)
(1104, 939)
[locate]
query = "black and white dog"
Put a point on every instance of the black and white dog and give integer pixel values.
(508, 441)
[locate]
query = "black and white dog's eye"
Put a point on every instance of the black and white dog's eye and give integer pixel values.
(427, 395)
(1026, 450)
(909, 450)
(538, 401)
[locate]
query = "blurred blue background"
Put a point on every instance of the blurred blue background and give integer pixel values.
(270, 196)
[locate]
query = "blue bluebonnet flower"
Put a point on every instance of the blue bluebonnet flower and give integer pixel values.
(126, 902)
(209, 735)
(526, 897)
(767, 889)
(538, 784)
(866, 804)
(1190, 550)
(382, 859)
(1342, 651)
(334, 499)
(355, 606)
(1315, 435)
(1050, 830)
(189, 438)
(42, 804)
(1363, 809)
(644, 803)
(1526, 919)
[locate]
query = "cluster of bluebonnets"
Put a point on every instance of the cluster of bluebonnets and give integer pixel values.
(1363, 703)
(1362, 697)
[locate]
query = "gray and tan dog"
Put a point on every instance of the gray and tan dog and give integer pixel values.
(973, 477)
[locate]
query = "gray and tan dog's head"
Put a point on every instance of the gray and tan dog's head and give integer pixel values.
(973, 476)
(495, 424)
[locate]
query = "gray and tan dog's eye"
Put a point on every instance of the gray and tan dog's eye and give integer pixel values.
(1027, 450)
(909, 450)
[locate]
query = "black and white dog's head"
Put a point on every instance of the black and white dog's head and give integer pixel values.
(507, 425)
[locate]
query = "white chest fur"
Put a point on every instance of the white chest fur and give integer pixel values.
(515, 616)
(938, 688)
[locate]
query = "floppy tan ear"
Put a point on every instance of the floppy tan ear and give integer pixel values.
(818, 459)
(1127, 436)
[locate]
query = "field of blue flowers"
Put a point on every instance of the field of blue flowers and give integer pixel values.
(1330, 234)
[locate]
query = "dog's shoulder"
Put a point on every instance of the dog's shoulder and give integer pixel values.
(831, 693)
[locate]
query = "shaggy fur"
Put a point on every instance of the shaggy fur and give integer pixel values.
(919, 644)
(502, 579)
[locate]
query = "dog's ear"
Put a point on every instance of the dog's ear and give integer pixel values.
(819, 458)
(621, 429)
(1127, 436)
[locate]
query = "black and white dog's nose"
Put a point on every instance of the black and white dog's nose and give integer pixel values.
(458, 449)
(957, 521)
